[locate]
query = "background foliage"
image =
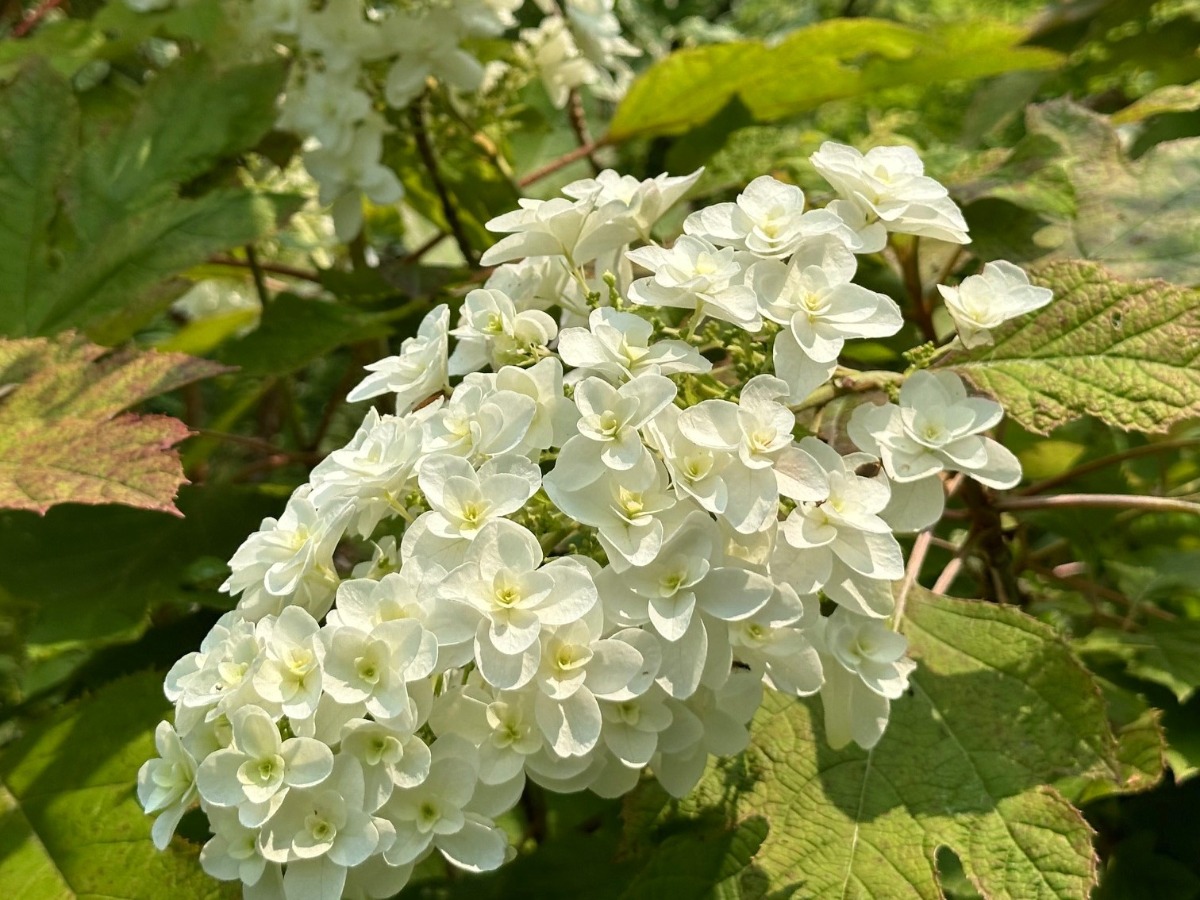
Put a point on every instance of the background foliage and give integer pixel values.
(1052, 735)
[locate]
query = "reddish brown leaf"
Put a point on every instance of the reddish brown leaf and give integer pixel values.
(65, 436)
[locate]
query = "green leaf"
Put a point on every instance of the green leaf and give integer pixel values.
(999, 710)
(126, 563)
(702, 863)
(838, 59)
(1170, 98)
(1126, 352)
(295, 331)
(91, 238)
(1167, 653)
(70, 824)
(64, 437)
(1141, 218)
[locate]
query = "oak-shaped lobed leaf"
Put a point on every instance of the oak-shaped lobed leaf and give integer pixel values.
(65, 435)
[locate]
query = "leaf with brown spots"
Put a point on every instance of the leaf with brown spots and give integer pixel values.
(65, 435)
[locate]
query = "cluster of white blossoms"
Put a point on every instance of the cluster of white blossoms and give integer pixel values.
(352, 60)
(591, 547)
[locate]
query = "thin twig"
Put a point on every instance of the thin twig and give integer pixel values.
(915, 560)
(419, 252)
(416, 115)
(562, 162)
(273, 268)
(1099, 501)
(579, 125)
(909, 264)
(260, 281)
(28, 23)
(1103, 462)
(1087, 585)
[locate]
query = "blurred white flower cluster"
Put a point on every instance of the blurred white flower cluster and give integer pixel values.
(592, 550)
(353, 59)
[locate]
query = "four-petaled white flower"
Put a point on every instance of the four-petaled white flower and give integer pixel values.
(417, 372)
(695, 275)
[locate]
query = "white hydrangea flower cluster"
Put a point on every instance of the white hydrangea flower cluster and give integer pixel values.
(592, 549)
(351, 59)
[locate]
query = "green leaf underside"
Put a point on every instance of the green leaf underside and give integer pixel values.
(1127, 353)
(64, 436)
(1167, 653)
(94, 222)
(70, 823)
(998, 708)
(827, 61)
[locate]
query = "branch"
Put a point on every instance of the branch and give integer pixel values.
(915, 560)
(30, 22)
(563, 161)
(1041, 487)
(1145, 502)
(272, 268)
(416, 115)
(578, 119)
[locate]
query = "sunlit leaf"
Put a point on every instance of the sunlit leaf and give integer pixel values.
(65, 436)
(1126, 352)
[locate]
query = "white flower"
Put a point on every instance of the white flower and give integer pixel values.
(686, 579)
(711, 721)
(347, 175)
(417, 372)
(554, 415)
(290, 673)
(389, 758)
(888, 185)
(288, 560)
(768, 220)
(500, 723)
(256, 773)
(840, 537)
(492, 332)
(759, 430)
(373, 472)
(645, 201)
(480, 421)
(609, 426)
(462, 500)
(503, 586)
(695, 275)
(232, 852)
(578, 230)
(552, 52)
(631, 726)
(373, 667)
(616, 346)
(320, 833)
(625, 506)
(425, 41)
(936, 428)
(815, 298)
(578, 668)
(340, 35)
(773, 643)
(982, 302)
(866, 669)
(328, 106)
(695, 470)
(167, 785)
(441, 812)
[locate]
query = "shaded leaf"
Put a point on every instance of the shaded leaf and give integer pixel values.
(1167, 653)
(90, 238)
(835, 60)
(294, 331)
(1169, 98)
(1126, 352)
(998, 708)
(64, 437)
(70, 824)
